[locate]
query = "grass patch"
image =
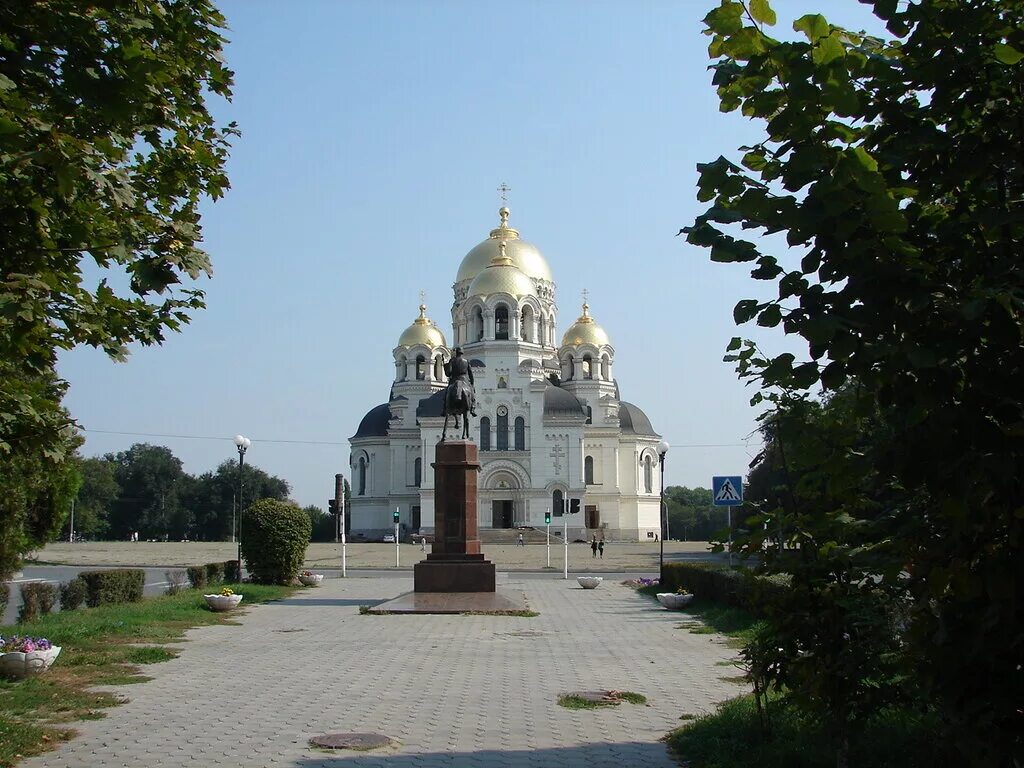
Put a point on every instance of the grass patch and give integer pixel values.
(732, 738)
(99, 646)
(735, 623)
(599, 699)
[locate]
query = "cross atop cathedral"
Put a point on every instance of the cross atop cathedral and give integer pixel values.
(586, 295)
(504, 189)
(423, 297)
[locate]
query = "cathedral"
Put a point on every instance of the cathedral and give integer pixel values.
(554, 435)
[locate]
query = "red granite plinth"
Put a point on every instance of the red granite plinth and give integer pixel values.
(456, 563)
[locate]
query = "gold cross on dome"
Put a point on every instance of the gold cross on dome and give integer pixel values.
(504, 189)
(423, 297)
(586, 295)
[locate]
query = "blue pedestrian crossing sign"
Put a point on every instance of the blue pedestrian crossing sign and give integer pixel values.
(726, 490)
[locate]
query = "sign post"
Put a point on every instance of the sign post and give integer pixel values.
(547, 530)
(565, 541)
(727, 491)
(396, 537)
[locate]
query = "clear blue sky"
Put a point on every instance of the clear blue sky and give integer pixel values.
(374, 135)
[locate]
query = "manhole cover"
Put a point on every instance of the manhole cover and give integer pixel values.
(357, 741)
(285, 631)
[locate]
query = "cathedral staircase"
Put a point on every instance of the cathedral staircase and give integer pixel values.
(511, 535)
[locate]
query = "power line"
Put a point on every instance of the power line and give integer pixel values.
(333, 442)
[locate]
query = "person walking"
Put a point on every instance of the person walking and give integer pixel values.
(600, 548)
(593, 547)
(520, 541)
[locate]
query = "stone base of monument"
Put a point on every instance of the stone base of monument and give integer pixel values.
(454, 573)
(503, 601)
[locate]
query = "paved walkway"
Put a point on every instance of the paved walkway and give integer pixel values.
(474, 691)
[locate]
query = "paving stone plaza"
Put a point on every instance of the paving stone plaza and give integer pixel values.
(449, 690)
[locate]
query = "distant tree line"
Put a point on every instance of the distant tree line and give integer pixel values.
(691, 515)
(145, 490)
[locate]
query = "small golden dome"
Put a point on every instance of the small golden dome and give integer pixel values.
(422, 331)
(585, 331)
(502, 276)
(524, 255)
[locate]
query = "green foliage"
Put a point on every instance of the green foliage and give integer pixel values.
(274, 539)
(96, 497)
(5, 596)
(210, 498)
(73, 594)
(196, 576)
(176, 581)
(887, 166)
(231, 574)
(37, 598)
(119, 585)
(733, 587)
(106, 152)
(149, 477)
(214, 573)
(691, 515)
(323, 525)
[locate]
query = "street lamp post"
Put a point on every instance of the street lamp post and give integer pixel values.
(662, 451)
(242, 443)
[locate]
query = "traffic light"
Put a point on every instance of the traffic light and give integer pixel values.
(574, 506)
(547, 518)
(394, 516)
(332, 505)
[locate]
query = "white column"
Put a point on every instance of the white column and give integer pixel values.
(489, 325)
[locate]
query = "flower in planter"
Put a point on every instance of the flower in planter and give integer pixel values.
(682, 591)
(307, 573)
(25, 644)
(226, 592)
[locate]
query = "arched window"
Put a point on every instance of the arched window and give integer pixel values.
(541, 330)
(551, 330)
(403, 368)
(362, 476)
(476, 325)
(438, 369)
(417, 472)
(520, 433)
(590, 415)
(502, 383)
(606, 373)
(588, 470)
(648, 475)
(556, 503)
(588, 367)
(502, 436)
(567, 368)
(421, 367)
(485, 434)
(526, 321)
(501, 322)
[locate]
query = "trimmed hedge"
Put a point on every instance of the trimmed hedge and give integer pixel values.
(196, 576)
(5, 596)
(214, 573)
(73, 594)
(274, 538)
(37, 599)
(231, 574)
(737, 587)
(119, 585)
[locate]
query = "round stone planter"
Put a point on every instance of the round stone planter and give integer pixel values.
(674, 601)
(17, 664)
(312, 580)
(222, 602)
(589, 582)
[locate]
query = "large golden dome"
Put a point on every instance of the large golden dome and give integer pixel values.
(502, 276)
(422, 331)
(585, 331)
(524, 255)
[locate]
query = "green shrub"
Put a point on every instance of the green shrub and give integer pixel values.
(119, 585)
(214, 573)
(176, 581)
(274, 538)
(737, 587)
(196, 576)
(231, 574)
(5, 596)
(37, 599)
(72, 594)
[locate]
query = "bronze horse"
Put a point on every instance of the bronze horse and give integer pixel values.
(459, 397)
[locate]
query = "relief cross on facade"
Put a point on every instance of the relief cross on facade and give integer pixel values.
(557, 452)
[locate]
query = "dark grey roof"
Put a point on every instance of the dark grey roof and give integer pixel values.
(633, 421)
(561, 401)
(375, 422)
(433, 405)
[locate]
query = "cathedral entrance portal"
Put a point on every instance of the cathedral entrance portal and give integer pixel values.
(501, 513)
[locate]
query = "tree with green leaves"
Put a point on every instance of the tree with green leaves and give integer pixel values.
(96, 496)
(892, 170)
(106, 151)
(150, 478)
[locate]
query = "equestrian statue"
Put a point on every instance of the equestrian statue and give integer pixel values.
(459, 397)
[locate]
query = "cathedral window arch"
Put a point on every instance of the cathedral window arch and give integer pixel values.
(520, 429)
(485, 434)
(476, 324)
(541, 330)
(588, 470)
(438, 369)
(557, 503)
(590, 415)
(606, 367)
(403, 368)
(417, 472)
(502, 429)
(551, 330)
(421, 367)
(567, 367)
(526, 324)
(501, 322)
(648, 474)
(362, 475)
(588, 367)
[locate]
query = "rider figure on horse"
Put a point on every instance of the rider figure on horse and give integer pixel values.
(460, 383)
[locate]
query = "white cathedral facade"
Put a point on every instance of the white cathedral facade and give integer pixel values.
(552, 431)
